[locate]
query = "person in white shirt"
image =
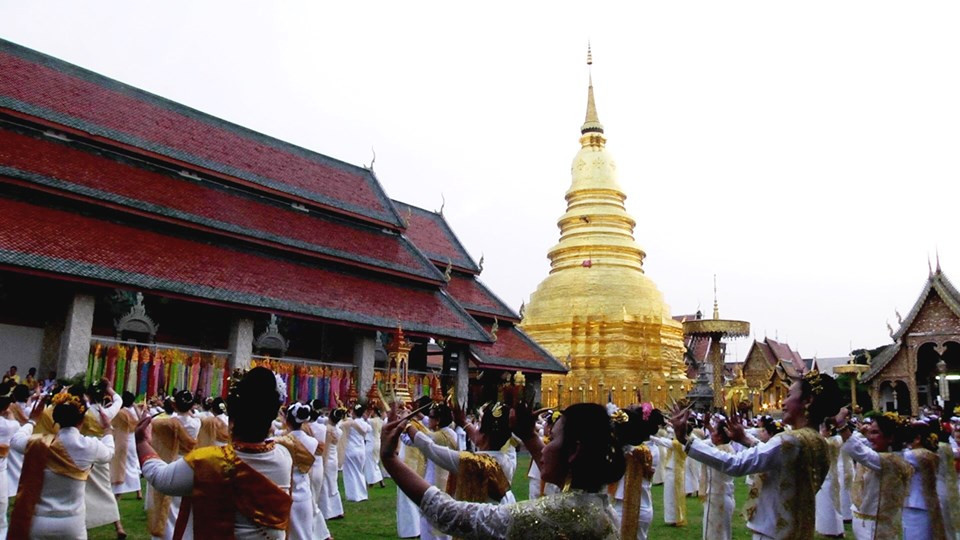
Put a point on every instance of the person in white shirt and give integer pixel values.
(101, 502)
(50, 500)
(829, 521)
(125, 468)
(257, 493)
(439, 420)
(674, 469)
(371, 441)
(318, 430)
(793, 463)
(8, 428)
(19, 410)
(355, 455)
(641, 463)
(922, 515)
(303, 448)
(332, 506)
(719, 503)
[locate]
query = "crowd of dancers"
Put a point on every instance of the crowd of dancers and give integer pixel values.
(247, 467)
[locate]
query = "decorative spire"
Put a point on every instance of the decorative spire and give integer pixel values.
(716, 306)
(591, 123)
(938, 259)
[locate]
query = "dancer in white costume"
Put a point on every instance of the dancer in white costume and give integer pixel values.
(922, 516)
(882, 476)
(318, 430)
(371, 464)
(332, 506)
(125, 468)
(50, 500)
(241, 490)
(692, 467)
(793, 463)
(302, 448)
(674, 502)
(19, 412)
(440, 431)
(829, 521)
(100, 500)
(182, 415)
(8, 428)
(355, 455)
(632, 501)
(719, 504)
(408, 514)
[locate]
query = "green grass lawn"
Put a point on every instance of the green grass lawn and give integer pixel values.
(376, 517)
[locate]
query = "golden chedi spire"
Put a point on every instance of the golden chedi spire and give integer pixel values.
(597, 307)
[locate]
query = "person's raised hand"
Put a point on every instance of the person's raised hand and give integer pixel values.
(522, 421)
(679, 418)
(390, 435)
(736, 431)
(37, 411)
(144, 432)
(459, 416)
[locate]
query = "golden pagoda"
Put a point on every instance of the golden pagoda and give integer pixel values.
(597, 309)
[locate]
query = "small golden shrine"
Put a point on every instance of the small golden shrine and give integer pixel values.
(597, 309)
(396, 379)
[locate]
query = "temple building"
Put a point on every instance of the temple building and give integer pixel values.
(597, 310)
(769, 368)
(921, 368)
(161, 247)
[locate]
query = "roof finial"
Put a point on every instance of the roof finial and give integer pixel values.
(591, 123)
(938, 258)
(929, 268)
(716, 306)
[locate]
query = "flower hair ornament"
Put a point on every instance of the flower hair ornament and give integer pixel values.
(812, 378)
(66, 398)
(299, 412)
(619, 417)
(646, 408)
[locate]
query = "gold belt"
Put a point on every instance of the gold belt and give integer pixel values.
(864, 516)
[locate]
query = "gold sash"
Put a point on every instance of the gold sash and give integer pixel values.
(46, 425)
(639, 466)
(929, 462)
(953, 496)
(809, 470)
(123, 424)
(212, 431)
(480, 478)
(170, 440)
(223, 485)
(4, 450)
(302, 458)
(676, 453)
(43, 452)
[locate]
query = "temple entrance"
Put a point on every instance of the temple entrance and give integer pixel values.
(938, 375)
(894, 397)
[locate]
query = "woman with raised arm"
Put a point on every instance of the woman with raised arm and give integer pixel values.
(882, 477)
(793, 464)
(631, 497)
(241, 490)
(584, 455)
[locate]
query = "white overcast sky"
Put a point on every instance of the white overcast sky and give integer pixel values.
(805, 152)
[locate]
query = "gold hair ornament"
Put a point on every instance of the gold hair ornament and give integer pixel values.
(812, 378)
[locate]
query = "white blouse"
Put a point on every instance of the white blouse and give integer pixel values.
(860, 451)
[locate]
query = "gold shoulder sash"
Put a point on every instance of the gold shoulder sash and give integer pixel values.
(929, 462)
(302, 458)
(90, 427)
(480, 478)
(948, 466)
(43, 452)
(170, 440)
(224, 485)
(212, 431)
(46, 425)
(679, 475)
(810, 467)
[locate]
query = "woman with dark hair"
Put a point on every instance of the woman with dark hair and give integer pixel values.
(318, 431)
(585, 455)
(173, 436)
(332, 507)
(793, 464)
(125, 468)
(355, 455)
(302, 447)
(882, 477)
(101, 502)
(718, 503)
(214, 426)
(240, 490)
(8, 428)
(50, 498)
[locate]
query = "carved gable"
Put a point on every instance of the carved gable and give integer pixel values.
(934, 317)
(756, 370)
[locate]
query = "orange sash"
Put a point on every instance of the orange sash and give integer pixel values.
(123, 424)
(170, 440)
(43, 452)
(302, 458)
(224, 485)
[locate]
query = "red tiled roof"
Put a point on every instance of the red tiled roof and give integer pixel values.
(514, 350)
(39, 86)
(477, 299)
(430, 232)
(86, 174)
(65, 244)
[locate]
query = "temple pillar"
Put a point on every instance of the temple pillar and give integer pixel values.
(75, 337)
(364, 347)
(240, 343)
(875, 395)
(463, 378)
(50, 347)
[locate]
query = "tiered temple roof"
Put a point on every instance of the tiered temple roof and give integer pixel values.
(111, 185)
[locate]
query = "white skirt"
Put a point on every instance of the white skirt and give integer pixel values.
(14, 464)
(331, 505)
(408, 517)
(354, 482)
(371, 469)
(916, 524)
(131, 478)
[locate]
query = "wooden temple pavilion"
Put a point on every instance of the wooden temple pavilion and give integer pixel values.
(128, 218)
